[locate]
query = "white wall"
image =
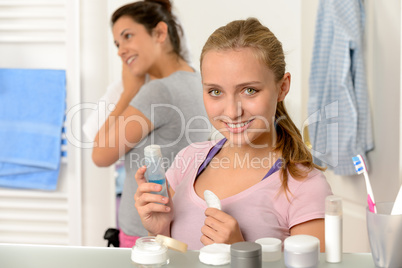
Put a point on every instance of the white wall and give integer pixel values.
(384, 55)
(98, 191)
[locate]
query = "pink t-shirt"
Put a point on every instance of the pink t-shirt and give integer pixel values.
(261, 210)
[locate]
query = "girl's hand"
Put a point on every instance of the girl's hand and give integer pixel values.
(155, 217)
(220, 227)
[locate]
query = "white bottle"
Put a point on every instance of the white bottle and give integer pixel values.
(155, 172)
(333, 229)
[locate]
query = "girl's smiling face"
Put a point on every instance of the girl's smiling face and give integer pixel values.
(241, 95)
(136, 47)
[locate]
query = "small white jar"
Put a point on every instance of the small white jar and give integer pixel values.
(271, 249)
(152, 252)
(302, 251)
(147, 252)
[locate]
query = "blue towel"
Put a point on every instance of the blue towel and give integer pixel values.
(340, 123)
(32, 110)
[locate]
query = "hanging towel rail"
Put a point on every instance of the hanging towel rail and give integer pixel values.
(44, 34)
(33, 22)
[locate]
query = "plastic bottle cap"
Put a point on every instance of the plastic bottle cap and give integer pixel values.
(301, 244)
(215, 254)
(333, 205)
(171, 243)
(152, 150)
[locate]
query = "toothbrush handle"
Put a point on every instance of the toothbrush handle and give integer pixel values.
(397, 208)
(368, 187)
(371, 204)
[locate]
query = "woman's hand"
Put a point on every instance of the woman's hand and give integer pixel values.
(131, 83)
(155, 217)
(124, 127)
(220, 227)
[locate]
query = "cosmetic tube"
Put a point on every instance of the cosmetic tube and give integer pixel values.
(333, 229)
(155, 172)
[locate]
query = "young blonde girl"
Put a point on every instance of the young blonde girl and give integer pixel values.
(261, 171)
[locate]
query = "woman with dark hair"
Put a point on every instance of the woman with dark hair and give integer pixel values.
(160, 112)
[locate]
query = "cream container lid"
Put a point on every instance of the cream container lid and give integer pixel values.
(215, 254)
(171, 243)
(301, 244)
(270, 244)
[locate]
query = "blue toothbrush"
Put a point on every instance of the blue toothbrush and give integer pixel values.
(360, 167)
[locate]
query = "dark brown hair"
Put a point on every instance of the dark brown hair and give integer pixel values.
(149, 13)
(251, 33)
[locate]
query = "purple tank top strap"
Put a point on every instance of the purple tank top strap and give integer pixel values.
(211, 155)
(214, 150)
(277, 166)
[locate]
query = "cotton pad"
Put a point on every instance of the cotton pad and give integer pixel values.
(215, 254)
(212, 200)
